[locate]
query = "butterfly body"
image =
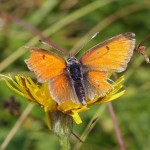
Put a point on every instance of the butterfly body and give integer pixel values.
(76, 80)
(75, 73)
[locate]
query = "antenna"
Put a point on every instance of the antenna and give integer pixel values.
(56, 47)
(87, 42)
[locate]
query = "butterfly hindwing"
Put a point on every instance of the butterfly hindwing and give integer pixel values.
(45, 64)
(61, 89)
(96, 84)
(111, 55)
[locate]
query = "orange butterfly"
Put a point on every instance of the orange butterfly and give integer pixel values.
(75, 80)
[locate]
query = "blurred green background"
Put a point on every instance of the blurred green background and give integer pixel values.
(70, 23)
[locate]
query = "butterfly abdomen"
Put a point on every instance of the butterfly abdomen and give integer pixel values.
(74, 68)
(79, 89)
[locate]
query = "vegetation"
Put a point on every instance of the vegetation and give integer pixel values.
(70, 24)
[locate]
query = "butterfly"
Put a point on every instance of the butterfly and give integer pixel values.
(76, 80)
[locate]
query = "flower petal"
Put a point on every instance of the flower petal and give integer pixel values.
(76, 118)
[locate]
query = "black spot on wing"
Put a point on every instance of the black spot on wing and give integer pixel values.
(43, 56)
(107, 47)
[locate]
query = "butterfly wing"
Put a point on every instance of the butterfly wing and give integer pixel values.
(51, 68)
(61, 89)
(96, 84)
(111, 55)
(45, 64)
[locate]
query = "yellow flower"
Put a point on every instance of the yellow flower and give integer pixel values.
(40, 94)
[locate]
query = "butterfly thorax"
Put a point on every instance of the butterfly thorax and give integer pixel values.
(74, 69)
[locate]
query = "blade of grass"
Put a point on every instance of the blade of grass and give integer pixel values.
(43, 11)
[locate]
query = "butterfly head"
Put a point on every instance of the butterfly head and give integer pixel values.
(72, 60)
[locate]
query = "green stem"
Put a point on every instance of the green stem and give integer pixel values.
(62, 126)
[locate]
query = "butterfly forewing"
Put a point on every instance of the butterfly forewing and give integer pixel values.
(45, 64)
(111, 55)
